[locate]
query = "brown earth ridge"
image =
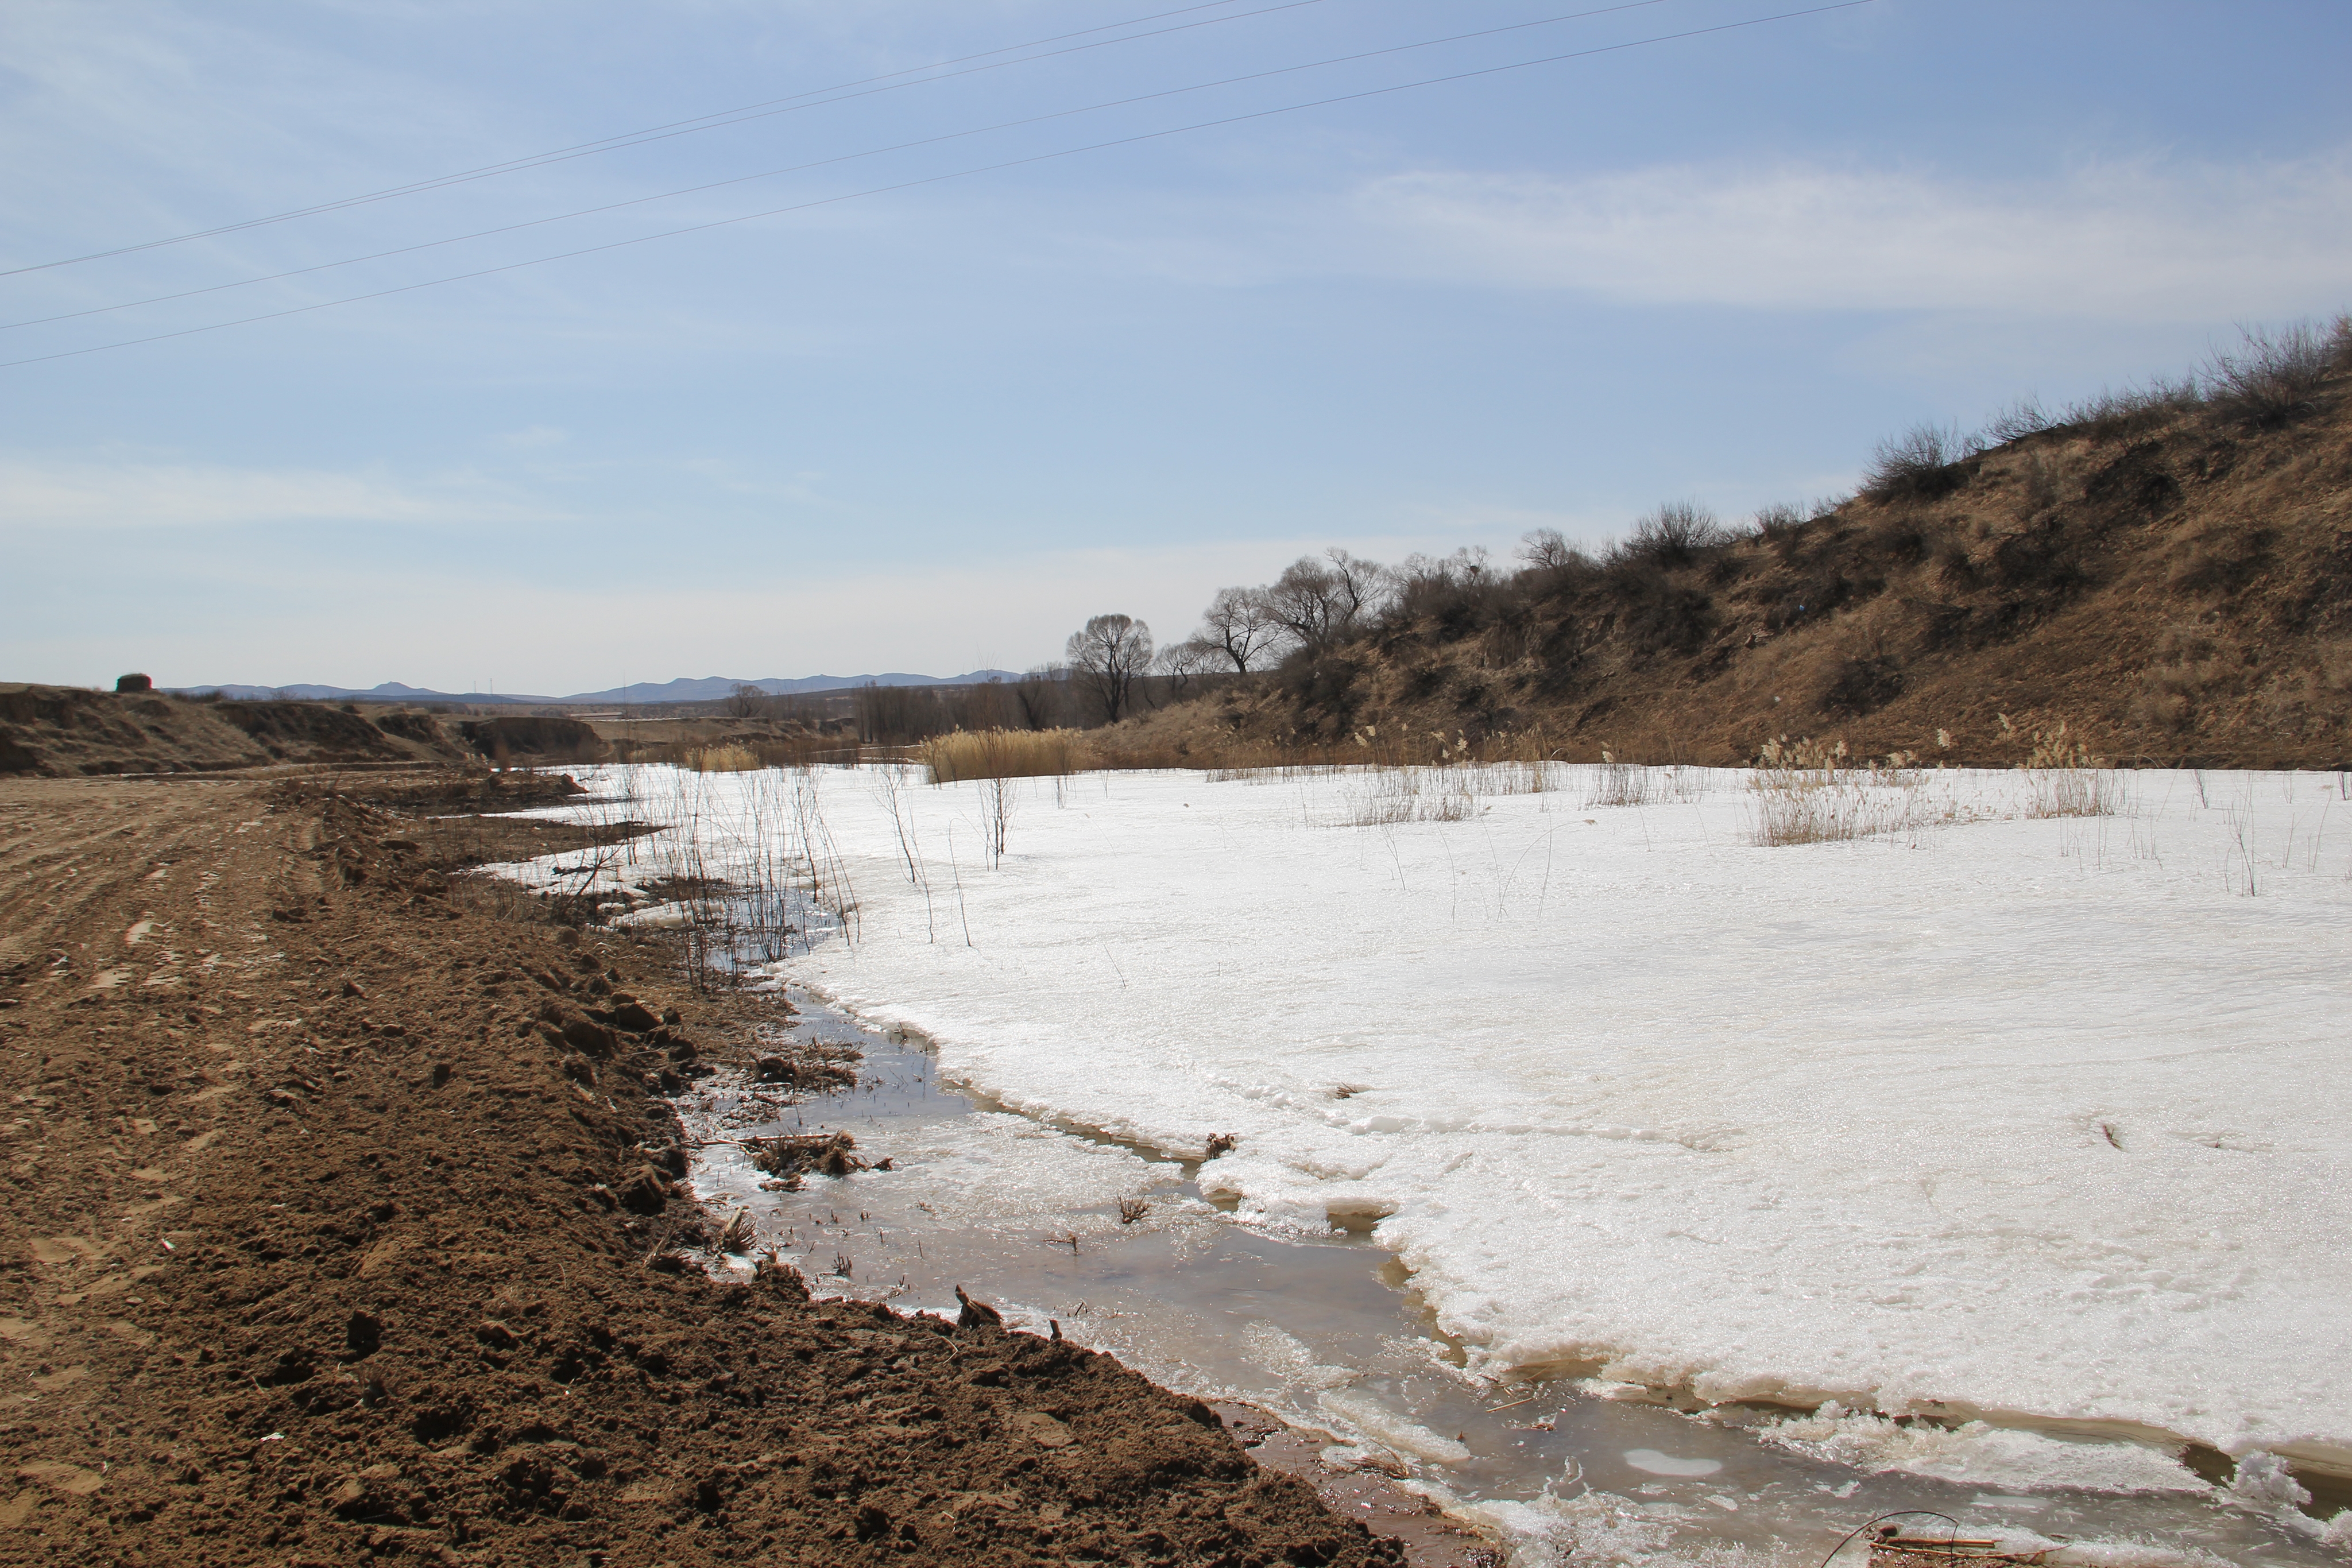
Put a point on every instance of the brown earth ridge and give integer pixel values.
(342, 1225)
(68, 731)
(2167, 574)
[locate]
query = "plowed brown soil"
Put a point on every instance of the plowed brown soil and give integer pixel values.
(337, 1227)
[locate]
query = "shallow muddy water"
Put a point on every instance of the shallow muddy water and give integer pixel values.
(1325, 1332)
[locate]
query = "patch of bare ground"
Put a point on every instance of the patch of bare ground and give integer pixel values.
(341, 1225)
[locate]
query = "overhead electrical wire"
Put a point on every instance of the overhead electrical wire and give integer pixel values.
(715, 121)
(839, 158)
(954, 174)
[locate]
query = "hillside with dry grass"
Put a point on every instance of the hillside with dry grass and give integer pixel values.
(2166, 573)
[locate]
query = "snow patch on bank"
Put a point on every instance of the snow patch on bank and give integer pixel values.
(2038, 1115)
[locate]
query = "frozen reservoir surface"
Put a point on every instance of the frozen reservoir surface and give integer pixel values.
(2042, 1121)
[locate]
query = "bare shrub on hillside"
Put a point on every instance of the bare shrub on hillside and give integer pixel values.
(1456, 591)
(1547, 549)
(2131, 409)
(1676, 533)
(2275, 374)
(1779, 521)
(1919, 465)
(2021, 419)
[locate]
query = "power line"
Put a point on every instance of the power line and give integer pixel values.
(953, 174)
(842, 158)
(717, 119)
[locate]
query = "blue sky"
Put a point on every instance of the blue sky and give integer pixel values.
(936, 427)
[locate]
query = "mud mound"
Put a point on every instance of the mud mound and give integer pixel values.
(314, 731)
(421, 727)
(343, 1227)
(61, 731)
(534, 737)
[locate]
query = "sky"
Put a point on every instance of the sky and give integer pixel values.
(1132, 302)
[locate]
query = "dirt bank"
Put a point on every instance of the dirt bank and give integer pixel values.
(65, 731)
(338, 1227)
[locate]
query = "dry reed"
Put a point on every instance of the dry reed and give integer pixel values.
(1411, 795)
(1808, 792)
(1002, 754)
(725, 758)
(2068, 782)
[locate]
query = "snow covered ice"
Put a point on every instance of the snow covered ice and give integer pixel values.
(2004, 1116)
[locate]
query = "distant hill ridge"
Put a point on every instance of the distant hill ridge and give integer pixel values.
(2159, 576)
(709, 688)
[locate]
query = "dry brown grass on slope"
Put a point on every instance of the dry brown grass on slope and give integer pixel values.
(2171, 580)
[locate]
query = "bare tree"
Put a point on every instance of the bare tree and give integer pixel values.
(988, 705)
(1319, 603)
(1360, 586)
(895, 715)
(1040, 696)
(1547, 550)
(1241, 626)
(1107, 656)
(1184, 662)
(746, 701)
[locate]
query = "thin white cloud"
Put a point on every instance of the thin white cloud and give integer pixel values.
(2131, 241)
(82, 495)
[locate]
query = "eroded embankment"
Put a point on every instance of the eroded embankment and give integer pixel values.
(339, 1225)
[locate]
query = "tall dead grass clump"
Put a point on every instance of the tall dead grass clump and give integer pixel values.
(1395, 795)
(2068, 782)
(1001, 754)
(805, 750)
(1615, 783)
(727, 759)
(1812, 792)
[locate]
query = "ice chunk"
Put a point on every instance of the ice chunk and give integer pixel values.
(1650, 1461)
(1390, 1429)
(1978, 1454)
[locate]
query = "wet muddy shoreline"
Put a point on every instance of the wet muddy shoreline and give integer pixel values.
(1114, 1244)
(1320, 1340)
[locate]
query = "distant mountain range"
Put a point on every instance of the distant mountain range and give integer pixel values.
(390, 692)
(709, 688)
